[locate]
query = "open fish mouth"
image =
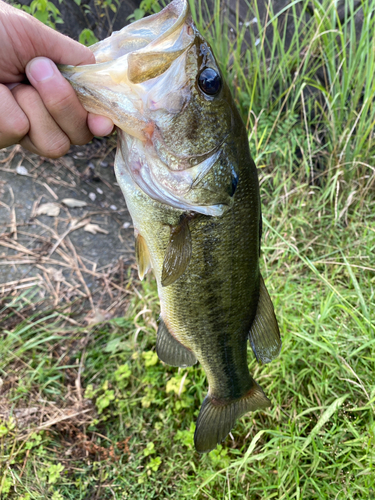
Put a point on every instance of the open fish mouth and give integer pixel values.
(145, 76)
(127, 80)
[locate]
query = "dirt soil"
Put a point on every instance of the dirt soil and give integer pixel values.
(57, 254)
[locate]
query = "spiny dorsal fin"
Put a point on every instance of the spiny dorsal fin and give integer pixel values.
(142, 255)
(170, 350)
(264, 334)
(178, 254)
(216, 419)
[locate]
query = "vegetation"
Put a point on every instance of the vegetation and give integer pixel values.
(112, 422)
(103, 13)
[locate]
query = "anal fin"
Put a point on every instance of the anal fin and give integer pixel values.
(142, 256)
(170, 350)
(178, 254)
(264, 334)
(216, 418)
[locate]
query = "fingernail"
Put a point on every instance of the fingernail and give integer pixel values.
(106, 126)
(41, 69)
(100, 125)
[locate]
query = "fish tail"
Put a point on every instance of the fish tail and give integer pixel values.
(217, 417)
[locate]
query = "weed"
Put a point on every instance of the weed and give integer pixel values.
(129, 432)
(87, 37)
(44, 10)
(145, 7)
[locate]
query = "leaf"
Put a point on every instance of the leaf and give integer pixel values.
(123, 372)
(324, 419)
(87, 37)
(138, 14)
(104, 400)
(357, 287)
(154, 464)
(150, 357)
(177, 384)
(150, 448)
(21, 170)
(54, 473)
(3, 430)
(6, 484)
(94, 228)
(50, 209)
(97, 316)
(186, 437)
(73, 203)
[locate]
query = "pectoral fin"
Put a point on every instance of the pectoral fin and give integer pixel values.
(264, 334)
(178, 254)
(170, 350)
(142, 255)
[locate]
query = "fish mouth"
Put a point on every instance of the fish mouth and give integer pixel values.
(154, 32)
(128, 76)
(169, 187)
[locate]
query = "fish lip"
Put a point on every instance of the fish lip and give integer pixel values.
(181, 19)
(179, 7)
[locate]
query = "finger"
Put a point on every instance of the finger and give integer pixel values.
(32, 38)
(13, 122)
(11, 85)
(45, 137)
(99, 125)
(59, 99)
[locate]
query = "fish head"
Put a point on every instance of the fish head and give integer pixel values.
(158, 80)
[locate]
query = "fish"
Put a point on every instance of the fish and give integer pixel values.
(191, 187)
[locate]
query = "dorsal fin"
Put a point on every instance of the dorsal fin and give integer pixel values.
(170, 350)
(264, 333)
(178, 254)
(142, 255)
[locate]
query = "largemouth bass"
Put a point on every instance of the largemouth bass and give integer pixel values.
(191, 187)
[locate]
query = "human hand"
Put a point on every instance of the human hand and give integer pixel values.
(45, 117)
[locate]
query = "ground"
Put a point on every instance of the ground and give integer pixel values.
(80, 253)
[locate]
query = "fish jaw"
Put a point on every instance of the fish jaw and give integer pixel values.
(161, 184)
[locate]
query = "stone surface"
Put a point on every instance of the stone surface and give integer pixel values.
(76, 253)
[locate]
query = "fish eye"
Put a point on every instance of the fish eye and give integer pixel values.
(209, 81)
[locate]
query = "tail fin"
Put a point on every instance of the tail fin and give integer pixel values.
(217, 418)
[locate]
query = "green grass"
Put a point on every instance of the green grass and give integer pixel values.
(316, 161)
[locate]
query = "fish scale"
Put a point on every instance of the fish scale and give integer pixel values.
(191, 187)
